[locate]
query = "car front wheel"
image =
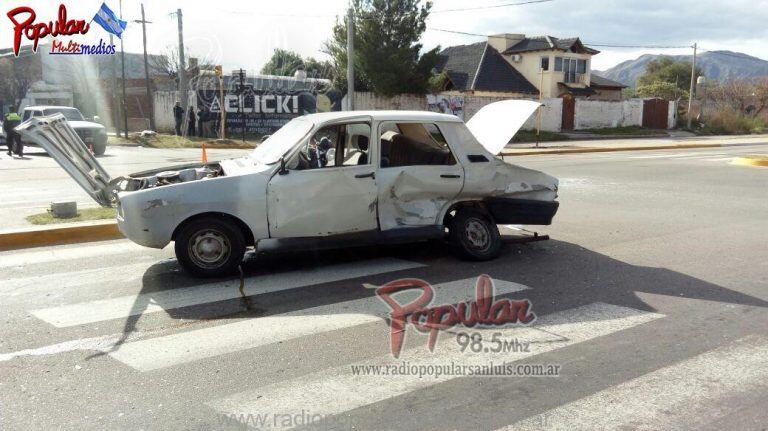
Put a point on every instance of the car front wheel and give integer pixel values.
(474, 235)
(210, 247)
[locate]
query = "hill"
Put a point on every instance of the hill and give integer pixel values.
(717, 65)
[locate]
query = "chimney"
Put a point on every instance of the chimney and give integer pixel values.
(504, 41)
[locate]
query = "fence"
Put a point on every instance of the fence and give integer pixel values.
(587, 114)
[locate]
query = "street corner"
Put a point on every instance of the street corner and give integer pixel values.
(751, 160)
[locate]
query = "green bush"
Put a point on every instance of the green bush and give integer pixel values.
(732, 122)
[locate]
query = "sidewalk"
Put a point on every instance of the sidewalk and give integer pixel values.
(632, 144)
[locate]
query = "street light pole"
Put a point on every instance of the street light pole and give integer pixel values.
(144, 23)
(693, 86)
(122, 62)
(182, 63)
(350, 59)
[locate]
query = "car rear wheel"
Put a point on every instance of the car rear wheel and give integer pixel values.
(474, 235)
(210, 247)
(99, 150)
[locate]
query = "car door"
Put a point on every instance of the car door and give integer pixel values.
(334, 195)
(418, 176)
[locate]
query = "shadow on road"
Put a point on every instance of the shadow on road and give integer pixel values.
(561, 276)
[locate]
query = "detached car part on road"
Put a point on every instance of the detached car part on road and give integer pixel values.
(329, 179)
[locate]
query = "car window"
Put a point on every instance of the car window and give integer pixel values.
(37, 114)
(26, 116)
(354, 149)
(414, 144)
(71, 114)
(336, 146)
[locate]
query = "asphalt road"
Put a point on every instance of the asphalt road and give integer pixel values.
(32, 183)
(650, 302)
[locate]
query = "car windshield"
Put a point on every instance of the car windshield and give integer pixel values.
(71, 114)
(282, 141)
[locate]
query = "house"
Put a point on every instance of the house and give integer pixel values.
(516, 65)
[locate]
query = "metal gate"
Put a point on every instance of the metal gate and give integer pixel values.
(569, 112)
(655, 113)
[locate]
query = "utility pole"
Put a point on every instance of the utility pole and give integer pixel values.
(122, 62)
(115, 106)
(350, 59)
(151, 103)
(538, 111)
(693, 86)
(182, 64)
(241, 97)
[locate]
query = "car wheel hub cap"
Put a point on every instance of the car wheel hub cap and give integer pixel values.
(209, 249)
(477, 234)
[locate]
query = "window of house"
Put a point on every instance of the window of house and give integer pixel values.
(558, 64)
(581, 66)
(414, 144)
(544, 63)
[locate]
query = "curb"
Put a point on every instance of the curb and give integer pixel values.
(49, 236)
(761, 161)
(608, 150)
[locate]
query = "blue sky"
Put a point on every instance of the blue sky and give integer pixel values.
(244, 33)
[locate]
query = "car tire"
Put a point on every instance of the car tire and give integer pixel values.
(210, 247)
(99, 150)
(474, 235)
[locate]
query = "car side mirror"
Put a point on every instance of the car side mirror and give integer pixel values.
(283, 170)
(96, 119)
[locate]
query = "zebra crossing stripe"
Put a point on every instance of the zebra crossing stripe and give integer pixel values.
(133, 305)
(198, 344)
(336, 390)
(686, 395)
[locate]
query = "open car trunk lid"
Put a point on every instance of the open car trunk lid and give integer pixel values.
(494, 125)
(56, 136)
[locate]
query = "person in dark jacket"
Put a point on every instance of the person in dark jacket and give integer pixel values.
(203, 116)
(192, 122)
(178, 115)
(12, 138)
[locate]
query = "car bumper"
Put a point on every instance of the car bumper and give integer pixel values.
(522, 211)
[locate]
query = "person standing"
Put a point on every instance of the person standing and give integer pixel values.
(12, 138)
(192, 123)
(203, 118)
(178, 115)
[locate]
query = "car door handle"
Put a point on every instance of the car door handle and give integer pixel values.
(450, 176)
(368, 175)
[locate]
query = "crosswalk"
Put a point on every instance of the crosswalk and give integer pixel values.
(656, 400)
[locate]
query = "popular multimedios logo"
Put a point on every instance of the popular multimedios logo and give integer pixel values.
(25, 24)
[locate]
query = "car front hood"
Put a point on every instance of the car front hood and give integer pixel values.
(84, 125)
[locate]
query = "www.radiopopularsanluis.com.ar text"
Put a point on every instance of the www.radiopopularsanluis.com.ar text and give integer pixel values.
(452, 368)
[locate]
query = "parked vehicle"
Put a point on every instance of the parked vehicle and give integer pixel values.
(90, 133)
(326, 180)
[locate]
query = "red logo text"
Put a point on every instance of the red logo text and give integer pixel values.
(23, 19)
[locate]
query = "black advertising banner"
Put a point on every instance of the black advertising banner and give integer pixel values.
(263, 111)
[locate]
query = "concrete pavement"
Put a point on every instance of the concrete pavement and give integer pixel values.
(651, 299)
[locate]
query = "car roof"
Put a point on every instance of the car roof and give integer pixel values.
(49, 107)
(384, 116)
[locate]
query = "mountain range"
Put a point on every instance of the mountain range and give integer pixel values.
(717, 65)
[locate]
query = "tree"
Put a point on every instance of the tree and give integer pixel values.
(667, 69)
(285, 63)
(167, 63)
(387, 49)
(16, 76)
(661, 89)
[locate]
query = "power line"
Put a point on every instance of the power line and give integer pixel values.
(490, 6)
(605, 45)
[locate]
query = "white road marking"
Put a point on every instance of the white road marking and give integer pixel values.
(133, 305)
(686, 395)
(70, 252)
(218, 340)
(337, 390)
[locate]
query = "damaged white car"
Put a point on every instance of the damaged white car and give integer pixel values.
(326, 180)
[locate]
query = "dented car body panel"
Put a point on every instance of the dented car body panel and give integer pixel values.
(383, 183)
